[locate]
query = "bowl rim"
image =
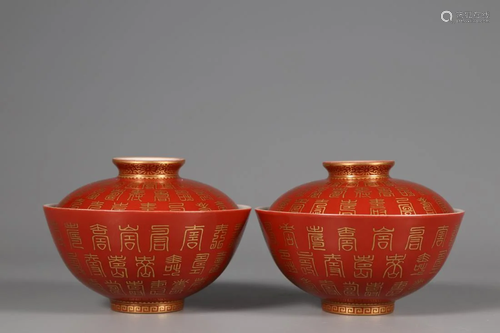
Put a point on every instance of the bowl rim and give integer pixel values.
(456, 211)
(53, 206)
(359, 162)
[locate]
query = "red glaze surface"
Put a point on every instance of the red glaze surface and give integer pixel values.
(361, 187)
(359, 259)
(138, 256)
(148, 184)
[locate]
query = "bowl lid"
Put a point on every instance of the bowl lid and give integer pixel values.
(361, 187)
(148, 184)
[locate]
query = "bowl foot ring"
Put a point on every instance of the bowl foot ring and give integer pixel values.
(147, 307)
(354, 309)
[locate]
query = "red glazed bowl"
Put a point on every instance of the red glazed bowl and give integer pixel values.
(359, 264)
(146, 261)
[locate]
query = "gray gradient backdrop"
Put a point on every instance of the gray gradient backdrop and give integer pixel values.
(255, 94)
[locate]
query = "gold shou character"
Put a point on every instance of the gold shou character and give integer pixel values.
(373, 289)
(159, 238)
(421, 264)
(439, 261)
(440, 236)
(145, 265)
(203, 195)
(382, 238)
(203, 206)
(338, 192)
(94, 195)
(136, 195)
(427, 206)
(56, 232)
(309, 286)
(96, 205)
(166, 186)
(394, 268)
(173, 265)
(74, 264)
(334, 265)
(129, 238)
(348, 207)
(235, 234)
(219, 260)
(397, 288)
(149, 186)
(193, 236)
(329, 288)
(421, 190)
(316, 194)
(135, 288)
(377, 207)
(385, 192)
(405, 191)
(220, 205)
(119, 206)
(363, 266)
(315, 238)
(372, 183)
(298, 205)
(362, 192)
(77, 203)
(283, 204)
(441, 204)
(288, 234)
(405, 206)
(100, 240)
(161, 195)
(148, 206)
(288, 264)
(415, 239)
(306, 262)
(75, 241)
(197, 283)
(199, 263)
(184, 195)
(178, 286)
(416, 284)
(351, 289)
(319, 206)
(94, 265)
(272, 236)
(290, 267)
(158, 287)
(176, 206)
(133, 186)
(114, 195)
(114, 287)
(453, 235)
(352, 183)
(347, 241)
(219, 236)
(118, 266)
(95, 285)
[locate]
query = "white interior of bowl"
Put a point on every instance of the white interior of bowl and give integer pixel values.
(54, 205)
(455, 211)
(148, 159)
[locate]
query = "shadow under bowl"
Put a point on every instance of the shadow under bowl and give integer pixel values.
(359, 264)
(146, 261)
